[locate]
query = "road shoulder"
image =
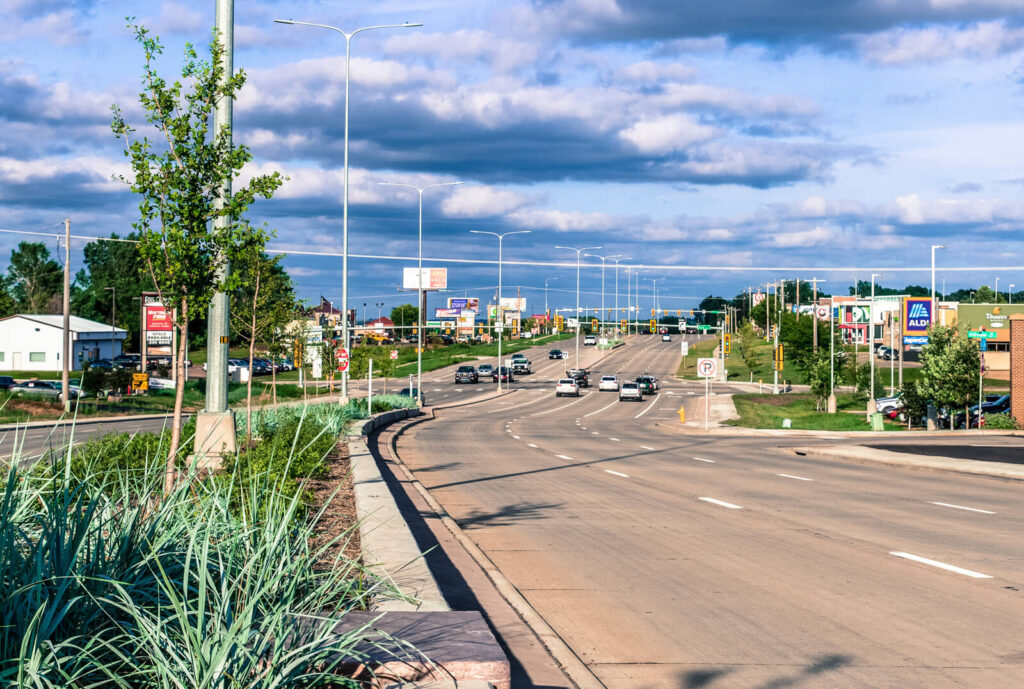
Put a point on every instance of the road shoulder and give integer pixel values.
(861, 453)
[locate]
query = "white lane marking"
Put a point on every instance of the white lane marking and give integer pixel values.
(583, 428)
(647, 408)
(721, 503)
(961, 507)
(798, 478)
(647, 447)
(569, 459)
(516, 437)
(594, 433)
(616, 440)
(601, 409)
(941, 565)
(701, 459)
(541, 413)
(617, 473)
(531, 445)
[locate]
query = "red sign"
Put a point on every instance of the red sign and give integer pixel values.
(342, 356)
(394, 354)
(157, 318)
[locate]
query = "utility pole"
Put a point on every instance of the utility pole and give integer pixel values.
(798, 298)
(814, 282)
(65, 381)
(215, 425)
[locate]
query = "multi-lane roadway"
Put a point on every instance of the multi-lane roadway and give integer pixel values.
(671, 559)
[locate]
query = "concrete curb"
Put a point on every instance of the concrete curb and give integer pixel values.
(859, 453)
(576, 670)
(389, 548)
(865, 435)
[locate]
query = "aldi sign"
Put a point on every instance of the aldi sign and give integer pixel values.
(917, 315)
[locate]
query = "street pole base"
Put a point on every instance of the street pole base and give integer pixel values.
(832, 403)
(215, 437)
(872, 406)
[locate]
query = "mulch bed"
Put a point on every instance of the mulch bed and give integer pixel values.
(339, 517)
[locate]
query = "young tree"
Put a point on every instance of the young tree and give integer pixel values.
(262, 303)
(36, 279)
(749, 342)
(180, 184)
(404, 318)
(950, 368)
(8, 306)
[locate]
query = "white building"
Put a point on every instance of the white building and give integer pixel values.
(35, 342)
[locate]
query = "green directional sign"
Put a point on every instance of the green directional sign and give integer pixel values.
(433, 324)
(981, 334)
(703, 327)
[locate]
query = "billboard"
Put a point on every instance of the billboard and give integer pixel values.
(432, 278)
(917, 315)
(513, 303)
(447, 313)
(464, 304)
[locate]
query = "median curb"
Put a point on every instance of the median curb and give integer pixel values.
(867, 435)
(858, 453)
(389, 549)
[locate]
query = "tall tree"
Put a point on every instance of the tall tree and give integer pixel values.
(262, 304)
(116, 264)
(404, 318)
(179, 184)
(951, 365)
(36, 279)
(8, 305)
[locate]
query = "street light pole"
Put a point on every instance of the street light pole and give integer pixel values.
(618, 316)
(997, 290)
(113, 317)
(501, 324)
(872, 406)
(419, 280)
(546, 280)
(344, 223)
(1009, 294)
(934, 309)
(579, 253)
(603, 259)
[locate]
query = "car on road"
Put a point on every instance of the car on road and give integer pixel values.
(556, 354)
(590, 340)
(646, 384)
(630, 390)
(654, 381)
(666, 338)
(6, 382)
(580, 375)
(485, 370)
(520, 364)
(506, 373)
(466, 374)
(414, 393)
(567, 386)
(610, 383)
(41, 388)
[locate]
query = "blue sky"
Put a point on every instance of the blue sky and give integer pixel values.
(739, 133)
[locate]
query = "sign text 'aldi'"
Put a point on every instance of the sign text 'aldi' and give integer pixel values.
(917, 315)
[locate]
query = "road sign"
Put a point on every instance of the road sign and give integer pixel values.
(779, 358)
(140, 381)
(822, 311)
(342, 356)
(685, 348)
(707, 368)
(572, 323)
(703, 327)
(981, 334)
(394, 354)
(983, 344)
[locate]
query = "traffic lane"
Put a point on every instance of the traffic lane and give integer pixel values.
(30, 443)
(1009, 451)
(751, 593)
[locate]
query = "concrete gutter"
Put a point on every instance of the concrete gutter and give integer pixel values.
(858, 453)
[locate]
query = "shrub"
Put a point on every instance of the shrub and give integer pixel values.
(94, 381)
(1001, 422)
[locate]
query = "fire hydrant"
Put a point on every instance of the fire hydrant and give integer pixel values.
(682, 414)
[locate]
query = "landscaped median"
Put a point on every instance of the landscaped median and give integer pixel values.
(238, 578)
(770, 411)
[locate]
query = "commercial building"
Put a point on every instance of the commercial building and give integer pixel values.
(994, 320)
(31, 342)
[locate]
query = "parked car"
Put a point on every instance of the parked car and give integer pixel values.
(610, 383)
(6, 382)
(885, 404)
(131, 361)
(999, 406)
(567, 386)
(580, 375)
(41, 388)
(105, 364)
(506, 373)
(630, 390)
(556, 354)
(590, 340)
(466, 374)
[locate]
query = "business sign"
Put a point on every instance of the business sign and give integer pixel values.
(431, 278)
(915, 340)
(464, 303)
(758, 298)
(917, 315)
(157, 318)
(822, 312)
(707, 368)
(447, 313)
(158, 338)
(513, 303)
(855, 314)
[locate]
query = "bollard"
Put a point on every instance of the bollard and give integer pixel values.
(682, 414)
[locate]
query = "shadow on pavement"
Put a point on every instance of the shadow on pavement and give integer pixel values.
(701, 679)
(507, 515)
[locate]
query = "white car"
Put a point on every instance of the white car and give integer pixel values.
(590, 340)
(666, 338)
(567, 386)
(608, 383)
(631, 391)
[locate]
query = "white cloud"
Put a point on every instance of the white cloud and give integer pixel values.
(911, 209)
(933, 43)
(177, 18)
(564, 221)
(481, 201)
(666, 134)
(504, 54)
(97, 169)
(648, 71)
(815, 236)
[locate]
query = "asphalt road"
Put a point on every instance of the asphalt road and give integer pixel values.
(683, 560)
(27, 444)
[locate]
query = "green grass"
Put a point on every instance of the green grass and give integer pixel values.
(768, 411)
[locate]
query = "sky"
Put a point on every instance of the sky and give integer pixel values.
(719, 145)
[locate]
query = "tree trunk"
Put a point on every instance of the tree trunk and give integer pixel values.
(252, 353)
(273, 380)
(179, 398)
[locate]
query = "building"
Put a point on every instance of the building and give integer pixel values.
(31, 342)
(994, 320)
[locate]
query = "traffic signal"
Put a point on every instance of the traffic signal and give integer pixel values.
(778, 358)
(679, 313)
(622, 324)
(652, 313)
(691, 313)
(727, 343)
(653, 325)
(593, 324)
(726, 319)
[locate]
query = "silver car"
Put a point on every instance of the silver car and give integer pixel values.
(610, 383)
(630, 390)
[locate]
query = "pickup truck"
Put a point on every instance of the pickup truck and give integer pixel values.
(520, 364)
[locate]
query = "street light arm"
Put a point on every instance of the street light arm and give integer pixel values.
(406, 25)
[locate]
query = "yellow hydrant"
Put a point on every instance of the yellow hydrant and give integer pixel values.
(682, 414)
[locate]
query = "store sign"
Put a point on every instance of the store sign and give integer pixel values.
(915, 340)
(158, 338)
(447, 313)
(157, 318)
(513, 303)
(917, 315)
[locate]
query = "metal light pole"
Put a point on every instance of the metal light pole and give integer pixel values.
(344, 223)
(872, 406)
(603, 259)
(1009, 294)
(546, 281)
(579, 253)
(501, 321)
(934, 309)
(419, 276)
(618, 316)
(997, 290)
(113, 317)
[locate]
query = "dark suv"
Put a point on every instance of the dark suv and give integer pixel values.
(466, 374)
(6, 382)
(580, 376)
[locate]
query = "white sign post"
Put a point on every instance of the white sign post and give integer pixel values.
(707, 369)
(685, 348)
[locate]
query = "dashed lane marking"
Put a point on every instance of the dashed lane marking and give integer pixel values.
(961, 507)
(798, 478)
(701, 459)
(647, 447)
(531, 445)
(565, 457)
(616, 440)
(941, 565)
(616, 473)
(721, 503)
(516, 437)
